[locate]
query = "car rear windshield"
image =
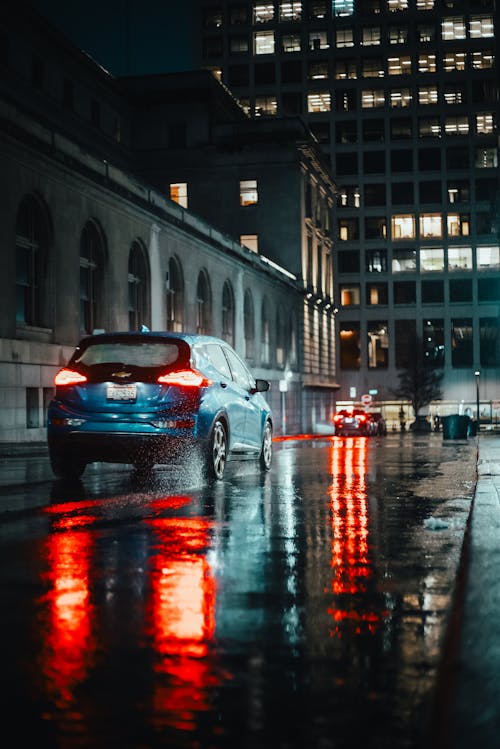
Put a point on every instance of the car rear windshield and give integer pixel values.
(132, 353)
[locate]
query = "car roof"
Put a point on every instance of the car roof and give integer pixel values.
(189, 338)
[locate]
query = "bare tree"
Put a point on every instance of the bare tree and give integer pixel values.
(419, 382)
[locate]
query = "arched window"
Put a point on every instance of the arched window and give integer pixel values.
(228, 313)
(91, 278)
(249, 325)
(138, 288)
(32, 262)
(265, 337)
(203, 304)
(280, 338)
(175, 296)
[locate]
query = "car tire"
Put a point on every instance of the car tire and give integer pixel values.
(217, 451)
(266, 453)
(65, 467)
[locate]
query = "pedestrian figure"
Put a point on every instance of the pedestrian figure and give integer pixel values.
(402, 419)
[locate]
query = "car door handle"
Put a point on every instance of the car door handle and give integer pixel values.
(247, 397)
(223, 384)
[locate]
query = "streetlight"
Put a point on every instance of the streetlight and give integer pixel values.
(477, 374)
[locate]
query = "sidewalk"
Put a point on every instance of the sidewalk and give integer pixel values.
(469, 703)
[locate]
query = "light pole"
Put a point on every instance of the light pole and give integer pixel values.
(477, 374)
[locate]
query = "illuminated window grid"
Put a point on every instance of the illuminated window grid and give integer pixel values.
(250, 241)
(485, 123)
(248, 192)
(319, 101)
(427, 63)
(481, 27)
(291, 11)
(263, 42)
(403, 226)
(179, 193)
(263, 12)
(483, 60)
(431, 259)
(459, 258)
(371, 99)
(399, 65)
(454, 61)
(427, 95)
(456, 125)
(400, 97)
(431, 226)
(453, 27)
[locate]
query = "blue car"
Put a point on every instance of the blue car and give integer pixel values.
(149, 398)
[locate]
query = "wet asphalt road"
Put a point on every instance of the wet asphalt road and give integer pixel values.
(305, 608)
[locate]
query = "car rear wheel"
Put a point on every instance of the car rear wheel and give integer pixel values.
(266, 453)
(65, 467)
(217, 452)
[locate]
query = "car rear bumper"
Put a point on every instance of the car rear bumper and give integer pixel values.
(120, 447)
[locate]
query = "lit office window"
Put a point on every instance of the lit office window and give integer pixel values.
(431, 259)
(429, 127)
(291, 11)
(485, 123)
(486, 158)
(372, 67)
(179, 193)
(456, 125)
(488, 257)
(398, 34)
(483, 59)
(454, 61)
(425, 4)
(454, 94)
(317, 70)
(400, 97)
(371, 36)
(427, 95)
(458, 225)
(318, 40)
(431, 226)
(251, 241)
(399, 65)
(345, 69)
(248, 192)
(403, 226)
(349, 340)
(427, 63)
(404, 261)
(453, 27)
(395, 5)
(265, 106)
(350, 295)
(318, 8)
(376, 261)
(459, 258)
(372, 99)
(481, 27)
(378, 344)
(343, 7)
(263, 42)
(263, 12)
(426, 32)
(376, 294)
(290, 43)
(344, 38)
(318, 101)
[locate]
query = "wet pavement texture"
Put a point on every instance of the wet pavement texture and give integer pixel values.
(304, 608)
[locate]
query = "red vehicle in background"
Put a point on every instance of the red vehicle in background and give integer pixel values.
(352, 421)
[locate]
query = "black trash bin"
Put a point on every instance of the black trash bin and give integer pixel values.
(455, 427)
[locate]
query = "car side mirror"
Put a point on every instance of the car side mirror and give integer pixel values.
(260, 386)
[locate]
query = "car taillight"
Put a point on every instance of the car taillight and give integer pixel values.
(184, 378)
(338, 418)
(69, 377)
(362, 417)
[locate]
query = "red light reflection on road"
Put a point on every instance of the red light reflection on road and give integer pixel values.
(182, 620)
(66, 618)
(350, 553)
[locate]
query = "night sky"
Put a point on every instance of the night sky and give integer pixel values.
(127, 37)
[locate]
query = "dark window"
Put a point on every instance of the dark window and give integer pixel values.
(400, 128)
(347, 163)
(489, 341)
(238, 44)
(405, 333)
(461, 290)
(373, 130)
(429, 159)
(212, 16)
(348, 229)
(485, 92)
(375, 227)
(461, 342)
(291, 72)
(4, 48)
(320, 130)
(486, 222)
(249, 325)
(457, 158)
(174, 285)
(68, 99)
(488, 289)
(212, 47)
(430, 192)
(432, 292)
(203, 304)
(374, 162)
(91, 278)
(376, 261)
(350, 350)
(487, 189)
(264, 73)
(458, 191)
(176, 135)
(402, 193)
(32, 275)
(95, 113)
(348, 261)
(433, 342)
(228, 313)
(238, 14)
(346, 100)
(401, 161)
(346, 132)
(32, 408)
(376, 293)
(138, 287)
(374, 195)
(318, 8)
(404, 292)
(291, 102)
(37, 72)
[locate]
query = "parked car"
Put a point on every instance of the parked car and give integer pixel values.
(351, 421)
(146, 397)
(377, 423)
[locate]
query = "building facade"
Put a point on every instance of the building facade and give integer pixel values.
(403, 97)
(88, 244)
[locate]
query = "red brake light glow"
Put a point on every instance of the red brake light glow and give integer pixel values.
(184, 378)
(69, 377)
(362, 417)
(338, 417)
